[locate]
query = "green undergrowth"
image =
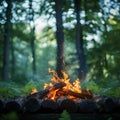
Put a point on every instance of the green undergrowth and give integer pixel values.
(14, 116)
(9, 116)
(65, 116)
(109, 88)
(11, 89)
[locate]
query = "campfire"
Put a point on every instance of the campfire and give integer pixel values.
(58, 95)
(60, 88)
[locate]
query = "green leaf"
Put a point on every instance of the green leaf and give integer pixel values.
(65, 116)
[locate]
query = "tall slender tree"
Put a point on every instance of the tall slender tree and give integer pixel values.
(59, 37)
(12, 59)
(7, 37)
(79, 42)
(32, 33)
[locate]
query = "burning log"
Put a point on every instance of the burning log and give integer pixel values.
(86, 106)
(13, 105)
(32, 105)
(1, 106)
(49, 106)
(83, 95)
(67, 104)
(43, 93)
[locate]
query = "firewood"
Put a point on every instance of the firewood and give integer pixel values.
(82, 95)
(48, 106)
(109, 105)
(86, 106)
(1, 106)
(67, 104)
(13, 105)
(118, 106)
(32, 105)
(43, 93)
(100, 103)
(106, 104)
(39, 94)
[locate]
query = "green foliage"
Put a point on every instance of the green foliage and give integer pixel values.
(110, 118)
(21, 32)
(103, 87)
(65, 116)
(91, 85)
(101, 29)
(9, 116)
(31, 85)
(13, 89)
(9, 89)
(111, 88)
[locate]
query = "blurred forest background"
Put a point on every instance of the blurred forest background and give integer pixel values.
(81, 37)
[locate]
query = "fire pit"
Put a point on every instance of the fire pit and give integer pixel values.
(61, 87)
(60, 95)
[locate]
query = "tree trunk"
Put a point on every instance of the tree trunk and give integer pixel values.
(85, 9)
(33, 50)
(105, 37)
(32, 41)
(60, 37)
(79, 42)
(13, 60)
(7, 40)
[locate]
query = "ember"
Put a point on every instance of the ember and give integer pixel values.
(61, 87)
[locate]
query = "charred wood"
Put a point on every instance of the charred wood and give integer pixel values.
(83, 95)
(109, 105)
(86, 106)
(35, 105)
(13, 105)
(2, 105)
(48, 106)
(67, 104)
(43, 93)
(118, 107)
(32, 105)
(100, 103)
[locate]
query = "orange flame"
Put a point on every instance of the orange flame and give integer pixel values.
(75, 86)
(34, 91)
(69, 87)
